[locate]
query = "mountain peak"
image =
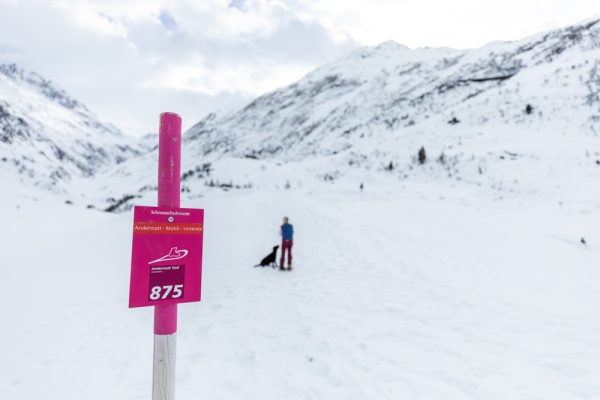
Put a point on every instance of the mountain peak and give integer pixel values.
(392, 45)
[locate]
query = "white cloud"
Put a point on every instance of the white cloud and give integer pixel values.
(457, 23)
(130, 60)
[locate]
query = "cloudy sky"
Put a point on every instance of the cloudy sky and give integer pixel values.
(131, 60)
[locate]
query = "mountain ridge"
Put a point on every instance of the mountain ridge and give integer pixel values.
(440, 72)
(46, 87)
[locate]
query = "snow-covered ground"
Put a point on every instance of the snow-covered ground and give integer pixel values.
(406, 290)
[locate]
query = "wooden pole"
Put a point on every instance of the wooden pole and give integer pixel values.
(165, 316)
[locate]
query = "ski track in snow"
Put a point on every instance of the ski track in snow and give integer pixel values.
(390, 297)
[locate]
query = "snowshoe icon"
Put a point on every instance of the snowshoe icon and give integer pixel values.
(174, 254)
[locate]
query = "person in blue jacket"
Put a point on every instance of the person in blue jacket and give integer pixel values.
(287, 235)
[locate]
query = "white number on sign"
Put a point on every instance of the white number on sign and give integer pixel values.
(177, 291)
(169, 288)
(155, 293)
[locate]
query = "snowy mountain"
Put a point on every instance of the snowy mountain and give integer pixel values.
(504, 116)
(150, 140)
(47, 137)
(379, 93)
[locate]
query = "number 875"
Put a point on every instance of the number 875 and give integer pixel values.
(155, 292)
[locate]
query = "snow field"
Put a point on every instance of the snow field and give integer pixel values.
(395, 294)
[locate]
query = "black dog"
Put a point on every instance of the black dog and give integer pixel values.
(269, 260)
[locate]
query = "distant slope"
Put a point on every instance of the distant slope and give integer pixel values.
(47, 137)
(378, 93)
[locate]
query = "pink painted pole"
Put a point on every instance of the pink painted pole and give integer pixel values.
(169, 168)
(165, 316)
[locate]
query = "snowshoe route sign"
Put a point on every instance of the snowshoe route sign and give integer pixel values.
(166, 258)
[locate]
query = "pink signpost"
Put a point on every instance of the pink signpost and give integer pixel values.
(166, 261)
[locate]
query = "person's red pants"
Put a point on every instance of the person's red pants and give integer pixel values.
(286, 245)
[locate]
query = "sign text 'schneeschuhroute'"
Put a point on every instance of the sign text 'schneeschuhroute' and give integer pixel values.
(166, 262)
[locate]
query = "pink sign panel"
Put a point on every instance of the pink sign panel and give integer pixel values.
(166, 260)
